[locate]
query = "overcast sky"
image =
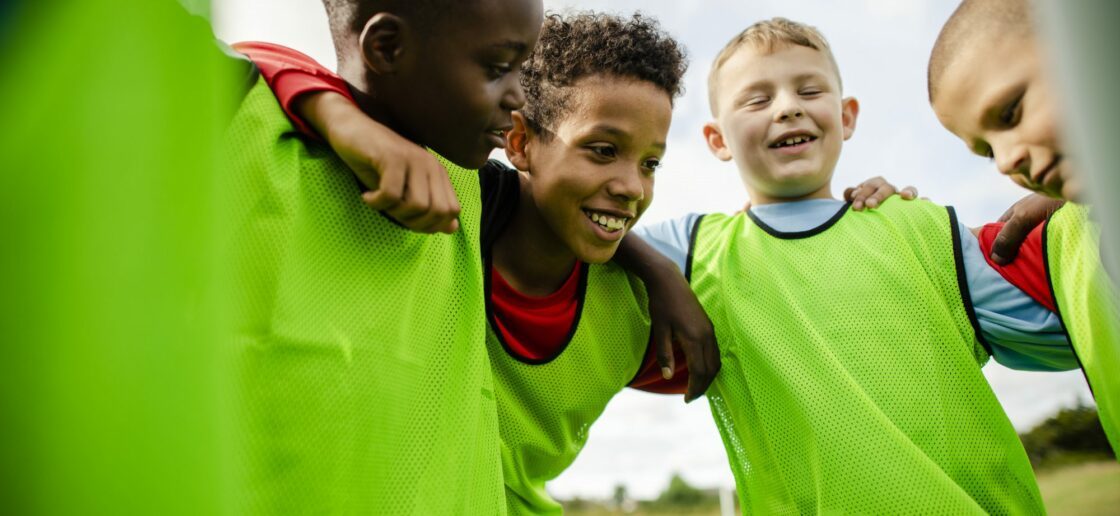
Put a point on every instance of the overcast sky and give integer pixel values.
(881, 47)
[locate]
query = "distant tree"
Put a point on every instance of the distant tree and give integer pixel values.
(680, 494)
(1072, 435)
(620, 495)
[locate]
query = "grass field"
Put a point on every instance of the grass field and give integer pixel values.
(1090, 488)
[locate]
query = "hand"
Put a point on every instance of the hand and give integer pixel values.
(676, 316)
(874, 191)
(1019, 220)
(406, 182)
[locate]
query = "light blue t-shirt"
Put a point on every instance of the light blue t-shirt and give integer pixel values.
(1022, 333)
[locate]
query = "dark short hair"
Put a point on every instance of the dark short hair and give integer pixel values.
(347, 17)
(973, 18)
(582, 44)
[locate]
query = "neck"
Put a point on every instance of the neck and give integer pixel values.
(758, 197)
(531, 258)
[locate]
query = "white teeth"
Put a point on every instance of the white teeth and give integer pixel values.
(793, 141)
(606, 221)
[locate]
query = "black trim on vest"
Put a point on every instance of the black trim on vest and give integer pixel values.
(962, 279)
(692, 248)
(1054, 296)
(794, 235)
(581, 295)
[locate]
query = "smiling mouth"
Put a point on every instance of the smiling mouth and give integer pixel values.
(792, 141)
(1041, 176)
(609, 223)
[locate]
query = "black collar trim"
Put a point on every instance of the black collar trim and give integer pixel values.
(794, 235)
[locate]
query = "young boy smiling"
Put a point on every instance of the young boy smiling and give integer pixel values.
(363, 386)
(989, 86)
(851, 342)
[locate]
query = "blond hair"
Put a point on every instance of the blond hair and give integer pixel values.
(769, 36)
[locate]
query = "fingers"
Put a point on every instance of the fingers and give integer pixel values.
(419, 195)
(879, 195)
(909, 193)
(870, 193)
(663, 349)
(702, 356)
(1006, 245)
(1020, 220)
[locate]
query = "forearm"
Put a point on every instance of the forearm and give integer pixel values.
(642, 260)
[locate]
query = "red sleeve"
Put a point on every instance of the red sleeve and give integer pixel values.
(649, 376)
(1028, 270)
(291, 73)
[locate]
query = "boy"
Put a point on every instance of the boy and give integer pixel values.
(988, 85)
(850, 341)
(363, 386)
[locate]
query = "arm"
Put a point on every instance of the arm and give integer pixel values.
(405, 182)
(675, 315)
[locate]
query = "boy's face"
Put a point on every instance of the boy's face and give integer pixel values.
(592, 177)
(458, 87)
(995, 97)
(782, 119)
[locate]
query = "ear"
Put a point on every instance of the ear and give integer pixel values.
(849, 111)
(714, 136)
(517, 142)
(382, 43)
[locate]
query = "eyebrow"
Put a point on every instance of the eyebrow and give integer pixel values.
(619, 133)
(516, 46)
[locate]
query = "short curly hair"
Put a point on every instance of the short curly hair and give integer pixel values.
(583, 44)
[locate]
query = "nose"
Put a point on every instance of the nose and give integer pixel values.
(1012, 158)
(788, 109)
(513, 97)
(628, 186)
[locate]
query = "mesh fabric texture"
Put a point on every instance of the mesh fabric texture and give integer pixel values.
(364, 384)
(1085, 298)
(851, 377)
(546, 409)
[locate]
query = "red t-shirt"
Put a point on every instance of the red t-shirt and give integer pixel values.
(533, 328)
(1028, 270)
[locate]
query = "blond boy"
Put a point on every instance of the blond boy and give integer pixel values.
(851, 342)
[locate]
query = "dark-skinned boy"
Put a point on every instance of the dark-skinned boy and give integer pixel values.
(362, 383)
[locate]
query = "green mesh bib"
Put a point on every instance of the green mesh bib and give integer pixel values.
(545, 409)
(1084, 297)
(364, 384)
(851, 375)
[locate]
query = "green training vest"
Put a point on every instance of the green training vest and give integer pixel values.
(1085, 301)
(851, 375)
(545, 408)
(364, 383)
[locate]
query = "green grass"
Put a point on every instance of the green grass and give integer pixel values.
(1090, 488)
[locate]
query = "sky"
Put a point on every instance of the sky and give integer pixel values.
(881, 47)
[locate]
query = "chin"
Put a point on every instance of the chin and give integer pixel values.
(597, 255)
(470, 159)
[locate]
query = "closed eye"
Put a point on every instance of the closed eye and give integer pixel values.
(499, 70)
(1009, 116)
